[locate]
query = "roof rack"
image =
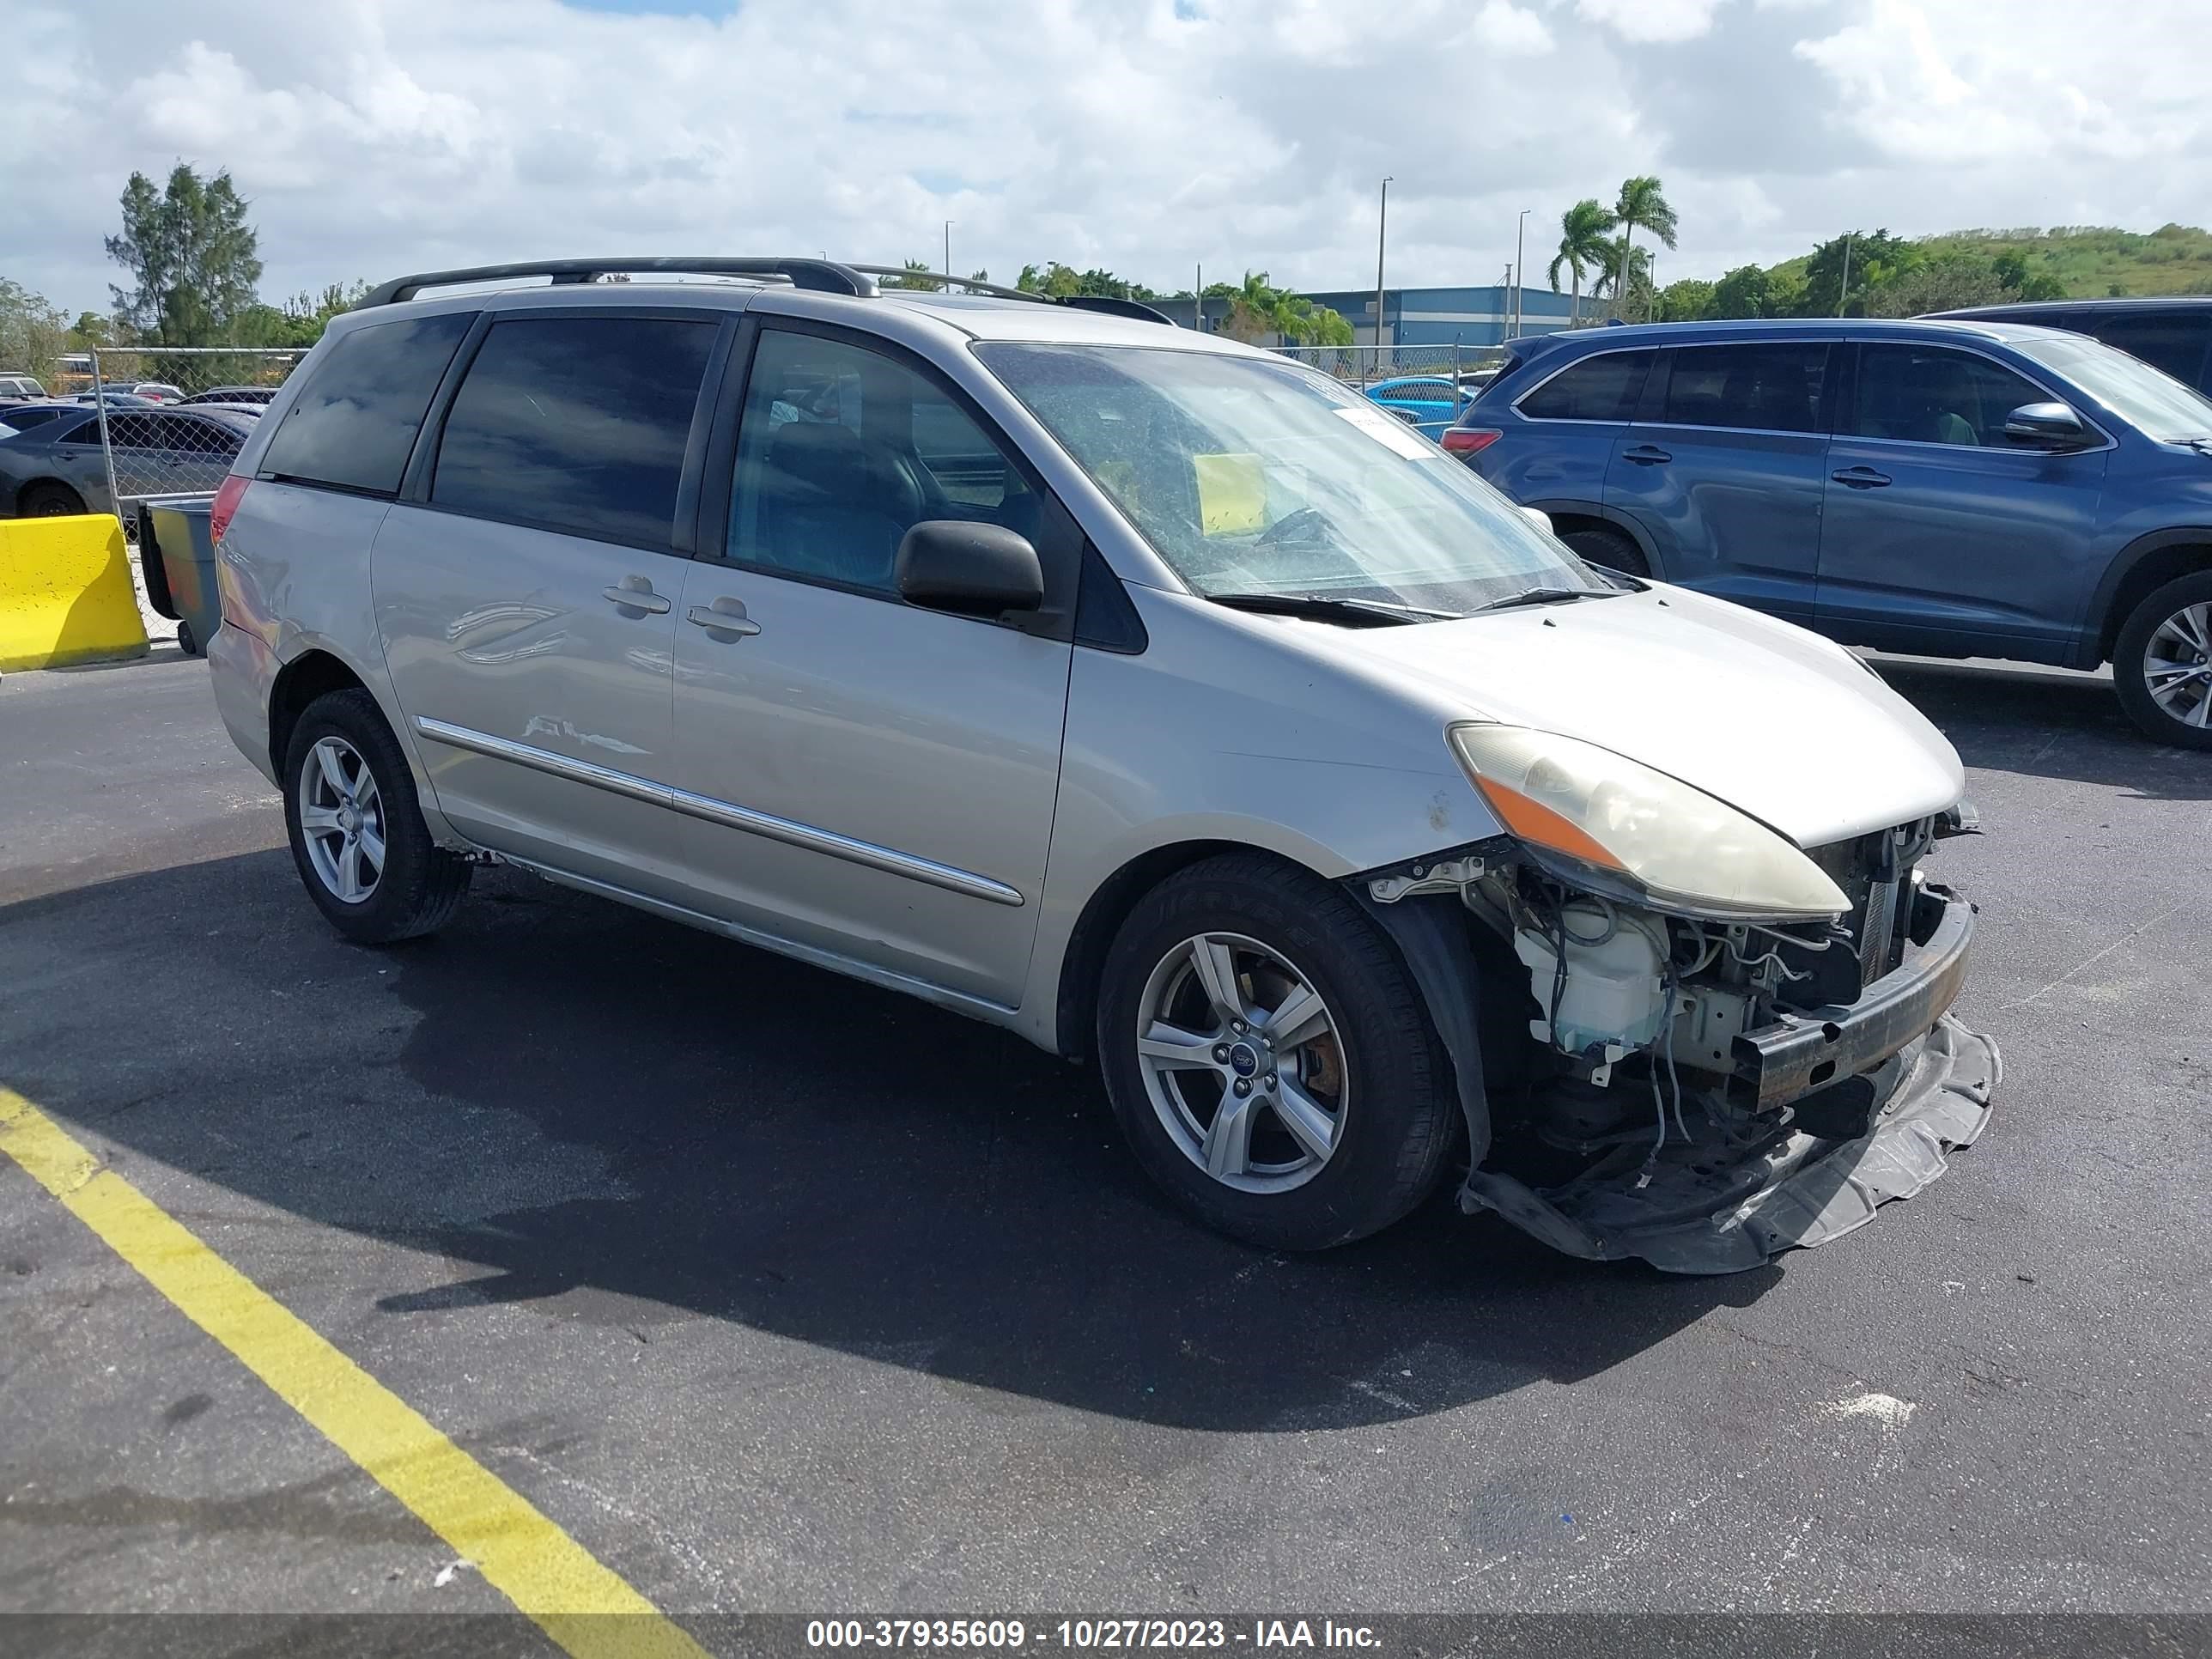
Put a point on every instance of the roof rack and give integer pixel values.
(1100, 302)
(822, 275)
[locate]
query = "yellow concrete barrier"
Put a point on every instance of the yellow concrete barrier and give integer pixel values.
(65, 592)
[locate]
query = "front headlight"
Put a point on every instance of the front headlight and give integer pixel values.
(1613, 825)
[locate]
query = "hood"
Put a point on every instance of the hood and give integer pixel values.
(1775, 720)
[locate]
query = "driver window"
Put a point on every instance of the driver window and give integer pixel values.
(1929, 395)
(842, 450)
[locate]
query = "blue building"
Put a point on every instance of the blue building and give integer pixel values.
(1426, 316)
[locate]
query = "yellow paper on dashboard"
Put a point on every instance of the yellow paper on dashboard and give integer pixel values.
(1232, 494)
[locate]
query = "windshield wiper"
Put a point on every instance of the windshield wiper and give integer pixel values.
(1322, 607)
(1546, 596)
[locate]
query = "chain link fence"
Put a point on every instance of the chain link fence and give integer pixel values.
(172, 418)
(1363, 365)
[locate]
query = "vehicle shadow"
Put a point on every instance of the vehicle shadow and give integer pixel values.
(2045, 723)
(586, 1107)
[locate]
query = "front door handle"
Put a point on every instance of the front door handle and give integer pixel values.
(1860, 478)
(634, 594)
(1646, 455)
(724, 620)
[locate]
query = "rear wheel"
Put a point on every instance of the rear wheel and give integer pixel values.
(2162, 663)
(1269, 1058)
(1609, 548)
(187, 642)
(49, 500)
(363, 852)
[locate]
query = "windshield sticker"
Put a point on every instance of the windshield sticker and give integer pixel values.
(1390, 430)
(1232, 494)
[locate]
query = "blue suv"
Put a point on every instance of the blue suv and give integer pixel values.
(1948, 488)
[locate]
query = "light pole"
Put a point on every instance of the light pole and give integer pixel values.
(1382, 224)
(948, 249)
(1520, 275)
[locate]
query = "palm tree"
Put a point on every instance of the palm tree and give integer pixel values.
(1641, 205)
(1583, 230)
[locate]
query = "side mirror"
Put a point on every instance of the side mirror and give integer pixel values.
(972, 569)
(1537, 516)
(2050, 426)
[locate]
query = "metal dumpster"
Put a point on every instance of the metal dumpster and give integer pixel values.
(176, 553)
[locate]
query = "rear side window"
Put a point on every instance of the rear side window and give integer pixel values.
(576, 424)
(354, 422)
(1600, 388)
(2174, 344)
(1764, 386)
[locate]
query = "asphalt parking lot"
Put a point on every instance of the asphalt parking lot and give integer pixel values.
(780, 1293)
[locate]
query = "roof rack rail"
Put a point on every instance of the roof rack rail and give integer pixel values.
(822, 275)
(1136, 308)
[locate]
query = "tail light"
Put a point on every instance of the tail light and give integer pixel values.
(226, 503)
(1470, 440)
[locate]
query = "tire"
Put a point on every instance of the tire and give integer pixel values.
(187, 642)
(1376, 1069)
(2172, 626)
(49, 501)
(1609, 548)
(417, 884)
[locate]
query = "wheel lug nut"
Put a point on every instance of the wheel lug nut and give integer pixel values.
(1268, 1080)
(1221, 1054)
(1239, 1027)
(1242, 1088)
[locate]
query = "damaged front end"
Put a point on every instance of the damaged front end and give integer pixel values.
(1697, 1091)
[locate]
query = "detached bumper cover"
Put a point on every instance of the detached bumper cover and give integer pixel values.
(1708, 1210)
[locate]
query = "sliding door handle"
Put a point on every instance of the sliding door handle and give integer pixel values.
(724, 620)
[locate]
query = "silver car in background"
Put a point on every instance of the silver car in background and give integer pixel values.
(1153, 697)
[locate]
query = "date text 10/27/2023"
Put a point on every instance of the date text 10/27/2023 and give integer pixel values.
(1013, 1635)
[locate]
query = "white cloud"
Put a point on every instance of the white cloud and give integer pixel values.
(1511, 30)
(1653, 19)
(378, 135)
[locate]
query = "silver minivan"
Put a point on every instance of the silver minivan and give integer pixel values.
(1157, 698)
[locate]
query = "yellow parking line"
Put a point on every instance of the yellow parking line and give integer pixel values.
(574, 1598)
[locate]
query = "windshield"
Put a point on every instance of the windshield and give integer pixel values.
(2147, 398)
(1254, 477)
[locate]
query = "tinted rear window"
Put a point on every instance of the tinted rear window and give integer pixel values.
(1600, 388)
(1772, 385)
(2172, 340)
(576, 424)
(355, 419)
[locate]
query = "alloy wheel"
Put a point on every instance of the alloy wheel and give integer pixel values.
(2177, 666)
(342, 820)
(1242, 1062)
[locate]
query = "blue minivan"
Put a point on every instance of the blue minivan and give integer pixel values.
(1948, 488)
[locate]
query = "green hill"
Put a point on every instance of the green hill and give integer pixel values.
(2091, 260)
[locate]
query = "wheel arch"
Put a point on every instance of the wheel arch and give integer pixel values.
(313, 673)
(2142, 567)
(1083, 963)
(44, 481)
(1571, 515)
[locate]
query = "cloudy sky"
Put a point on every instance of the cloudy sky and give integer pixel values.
(1146, 136)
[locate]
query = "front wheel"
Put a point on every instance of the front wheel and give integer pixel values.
(1269, 1058)
(2162, 663)
(363, 852)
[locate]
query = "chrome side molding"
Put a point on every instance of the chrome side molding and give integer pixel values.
(729, 814)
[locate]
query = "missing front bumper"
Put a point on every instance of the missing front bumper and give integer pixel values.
(1919, 1084)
